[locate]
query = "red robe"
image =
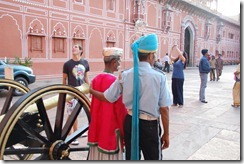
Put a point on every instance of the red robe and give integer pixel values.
(107, 119)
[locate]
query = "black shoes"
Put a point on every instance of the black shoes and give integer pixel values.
(204, 101)
(235, 106)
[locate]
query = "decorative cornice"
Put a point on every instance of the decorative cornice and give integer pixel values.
(198, 9)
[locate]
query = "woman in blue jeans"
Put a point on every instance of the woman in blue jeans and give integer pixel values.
(178, 75)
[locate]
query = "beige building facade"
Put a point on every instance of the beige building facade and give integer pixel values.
(45, 30)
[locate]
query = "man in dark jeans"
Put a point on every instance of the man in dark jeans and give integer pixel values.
(166, 62)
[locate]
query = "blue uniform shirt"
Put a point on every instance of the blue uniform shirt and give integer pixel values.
(154, 90)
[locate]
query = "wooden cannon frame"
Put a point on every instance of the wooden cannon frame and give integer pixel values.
(34, 127)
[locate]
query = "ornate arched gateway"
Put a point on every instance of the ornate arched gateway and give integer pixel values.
(188, 40)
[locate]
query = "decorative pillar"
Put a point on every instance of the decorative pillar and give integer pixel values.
(219, 31)
(207, 29)
(166, 18)
(140, 24)
(182, 37)
(195, 48)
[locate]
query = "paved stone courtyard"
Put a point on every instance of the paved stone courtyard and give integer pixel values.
(199, 131)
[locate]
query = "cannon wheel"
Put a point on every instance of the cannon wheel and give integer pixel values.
(13, 85)
(53, 141)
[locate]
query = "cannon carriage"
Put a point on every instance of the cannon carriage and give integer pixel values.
(35, 127)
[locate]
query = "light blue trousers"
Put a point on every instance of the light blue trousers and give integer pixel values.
(203, 86)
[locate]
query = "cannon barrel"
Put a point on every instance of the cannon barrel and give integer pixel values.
(52, 101)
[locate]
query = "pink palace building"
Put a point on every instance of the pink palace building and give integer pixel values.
(45, 30)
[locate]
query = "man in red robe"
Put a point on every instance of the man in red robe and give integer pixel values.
(106, 134)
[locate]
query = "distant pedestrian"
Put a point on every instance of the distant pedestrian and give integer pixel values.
(212, 68)
(236, 87)
(204, 69)
(166, 61)
(157, 64)
(219, 66)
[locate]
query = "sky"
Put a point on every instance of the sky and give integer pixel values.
(229, 7)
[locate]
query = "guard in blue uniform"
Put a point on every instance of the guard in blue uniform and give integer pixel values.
(146, 95)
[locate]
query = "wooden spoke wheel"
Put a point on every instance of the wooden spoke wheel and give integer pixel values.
(7, 99)
(37, 126)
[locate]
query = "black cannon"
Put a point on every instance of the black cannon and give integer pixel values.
(36, 127)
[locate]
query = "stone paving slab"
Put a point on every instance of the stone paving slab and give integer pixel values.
(218, 149)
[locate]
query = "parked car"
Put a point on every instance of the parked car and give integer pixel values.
(21, 74)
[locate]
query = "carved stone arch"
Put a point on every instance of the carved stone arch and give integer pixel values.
(36, 26)
(36, 39)
(165, 40)
(78, 32)
(60, 41)
(188, 39)
(78, 37)
(94, 29)
(6, 42)
(188, 18)
(110, 36)
(164, 46)
(95, 48)
(133, 38)
(59, 30)
(7, 15)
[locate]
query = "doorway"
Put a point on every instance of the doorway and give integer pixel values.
(188, 46)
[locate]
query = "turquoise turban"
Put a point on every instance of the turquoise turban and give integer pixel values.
(145, 44)
(148, 43)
